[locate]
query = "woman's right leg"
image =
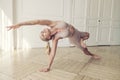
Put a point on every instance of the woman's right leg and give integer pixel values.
(86, 51)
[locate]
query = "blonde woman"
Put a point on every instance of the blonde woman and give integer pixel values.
(58, 30)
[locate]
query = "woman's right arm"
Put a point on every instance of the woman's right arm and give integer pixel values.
(52, 55)
(32, 22)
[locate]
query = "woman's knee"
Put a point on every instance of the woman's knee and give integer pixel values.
(86, 36)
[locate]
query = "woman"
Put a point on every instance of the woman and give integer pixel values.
(58, 30)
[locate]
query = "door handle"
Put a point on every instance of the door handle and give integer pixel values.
(99, 21)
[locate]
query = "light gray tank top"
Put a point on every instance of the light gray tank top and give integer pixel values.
(65, 32)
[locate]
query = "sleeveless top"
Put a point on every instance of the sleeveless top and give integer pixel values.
(65, 30)
(65, 33)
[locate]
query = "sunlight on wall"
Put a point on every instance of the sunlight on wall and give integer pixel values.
(26, 45)
(6, 36)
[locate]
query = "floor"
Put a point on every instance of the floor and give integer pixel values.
(69, 64)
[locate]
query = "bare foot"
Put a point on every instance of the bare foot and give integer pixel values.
(96, 57)
(45, 70)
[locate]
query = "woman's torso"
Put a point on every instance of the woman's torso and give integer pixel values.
(64, 29)
(65, 33)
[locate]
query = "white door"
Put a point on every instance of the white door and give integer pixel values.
(79, 14)
(92, 21)
(104, 27)
(28, 36)
(103, 22)
(115, 23)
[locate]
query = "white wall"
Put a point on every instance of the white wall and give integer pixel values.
(28, 36)
(100, 18)
(6, 18)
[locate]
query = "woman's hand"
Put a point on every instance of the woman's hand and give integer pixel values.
(45, 70)
(12, 27)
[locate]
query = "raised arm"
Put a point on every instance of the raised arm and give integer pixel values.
(48, 23)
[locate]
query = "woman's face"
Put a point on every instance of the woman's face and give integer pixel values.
(46, 33)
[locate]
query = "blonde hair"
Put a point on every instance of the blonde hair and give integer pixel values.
(43, 38)
(48, 48)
